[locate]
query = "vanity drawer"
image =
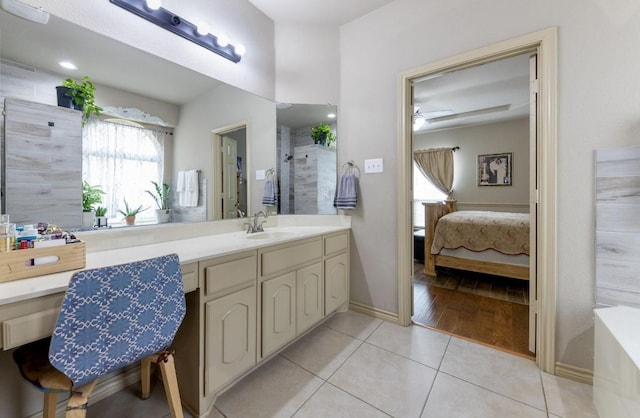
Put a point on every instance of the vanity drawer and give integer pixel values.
(189, 276)
(289, 256)
(226, 274)
(337, 243)
(30, 320)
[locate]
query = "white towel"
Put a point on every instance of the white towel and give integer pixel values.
(180, 182)
(270, 194)
(346, 192)
(188, 188)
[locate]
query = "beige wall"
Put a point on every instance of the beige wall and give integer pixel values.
(598, 63)
(511, 136)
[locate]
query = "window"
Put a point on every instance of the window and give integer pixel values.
(423, 191)
(123, 160)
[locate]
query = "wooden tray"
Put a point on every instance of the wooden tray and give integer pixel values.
(19, 264)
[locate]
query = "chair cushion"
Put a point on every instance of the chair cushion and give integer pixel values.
(116, 315)
(33, 363)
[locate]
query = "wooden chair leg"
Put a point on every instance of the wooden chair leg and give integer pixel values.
(145, 375)
(170, 381)
(77, 403)
(49, 408)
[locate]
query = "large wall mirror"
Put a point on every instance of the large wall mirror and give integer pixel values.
(306, 159)
(198, 116)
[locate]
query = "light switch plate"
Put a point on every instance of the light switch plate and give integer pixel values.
(374, 165)
(260, 174)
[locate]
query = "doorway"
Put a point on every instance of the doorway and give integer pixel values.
(545, 42)
(475, 111)
(230, 184)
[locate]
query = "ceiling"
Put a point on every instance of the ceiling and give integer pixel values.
(304, 115)
(490, 92)
(317, 12)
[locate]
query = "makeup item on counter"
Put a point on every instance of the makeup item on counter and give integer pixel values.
(7, 236)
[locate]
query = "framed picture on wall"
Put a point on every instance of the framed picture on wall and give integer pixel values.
(495, 169)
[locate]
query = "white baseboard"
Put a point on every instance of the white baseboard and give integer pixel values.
(574, 373)
(106, 387)
(375, 312)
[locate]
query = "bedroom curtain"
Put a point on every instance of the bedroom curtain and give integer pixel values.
(436, 164)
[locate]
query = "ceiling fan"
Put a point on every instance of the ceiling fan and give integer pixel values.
(422, 117)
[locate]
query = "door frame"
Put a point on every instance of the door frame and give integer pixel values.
(216, 188)
(545, 43)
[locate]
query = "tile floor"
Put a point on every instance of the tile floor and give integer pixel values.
(357, 366)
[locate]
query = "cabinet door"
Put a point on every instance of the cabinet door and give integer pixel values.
(230, 332)
(336, 286)
(309, 295)
(278, 312)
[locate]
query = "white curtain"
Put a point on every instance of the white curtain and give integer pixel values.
(123, 160)
(436, 164)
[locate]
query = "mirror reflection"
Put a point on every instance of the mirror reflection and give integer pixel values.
(307, 161)
(187, 119)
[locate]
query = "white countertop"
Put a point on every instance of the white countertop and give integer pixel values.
(188, 250)
(624, 324)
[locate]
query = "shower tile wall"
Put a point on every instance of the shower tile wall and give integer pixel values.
(617, 232)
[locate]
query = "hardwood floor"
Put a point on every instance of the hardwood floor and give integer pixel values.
(486, 309)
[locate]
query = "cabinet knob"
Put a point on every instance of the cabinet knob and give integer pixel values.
(52, 124)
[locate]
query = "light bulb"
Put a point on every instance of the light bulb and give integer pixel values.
(68, 65)
(154, 4)
(331, 115)
(240, 49)
(222, 40)
(203, 28)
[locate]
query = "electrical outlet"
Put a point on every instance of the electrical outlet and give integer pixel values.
(260, 174)
(374, 165)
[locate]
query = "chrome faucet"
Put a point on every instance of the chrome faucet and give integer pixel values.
(239, 213)
(254, 226)
(257, 227)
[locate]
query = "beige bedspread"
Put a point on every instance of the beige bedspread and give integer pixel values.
(481, 230)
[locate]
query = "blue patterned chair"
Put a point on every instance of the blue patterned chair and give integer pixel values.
(110, 317)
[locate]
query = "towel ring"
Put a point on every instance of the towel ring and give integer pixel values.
(350, 167)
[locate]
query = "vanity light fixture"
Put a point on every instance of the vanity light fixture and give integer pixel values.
(152, 11)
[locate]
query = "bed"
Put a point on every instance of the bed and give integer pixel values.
(480, 241)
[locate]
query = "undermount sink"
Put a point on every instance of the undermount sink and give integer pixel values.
(270, 235)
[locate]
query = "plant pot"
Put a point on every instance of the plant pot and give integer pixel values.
(130, 220)
(64, 97)
(88, 219)
(163, 215)
(101, 221)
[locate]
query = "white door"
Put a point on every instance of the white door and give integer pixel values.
(229, 178)
(533, 198)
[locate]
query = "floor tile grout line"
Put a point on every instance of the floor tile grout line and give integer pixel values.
(544, 392)
(361, 400)
(495, 392)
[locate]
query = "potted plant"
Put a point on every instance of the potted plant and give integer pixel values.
(321, 134)
(161, 195)
(130, 213)
(91, 195)
(101, 219)
(81, 95)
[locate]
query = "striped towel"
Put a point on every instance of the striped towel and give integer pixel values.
(347, 192)
(270, 194)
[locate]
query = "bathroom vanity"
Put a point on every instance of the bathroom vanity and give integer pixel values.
(248, 297)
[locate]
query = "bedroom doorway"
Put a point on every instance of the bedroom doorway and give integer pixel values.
(464, 114)
(542, 197)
